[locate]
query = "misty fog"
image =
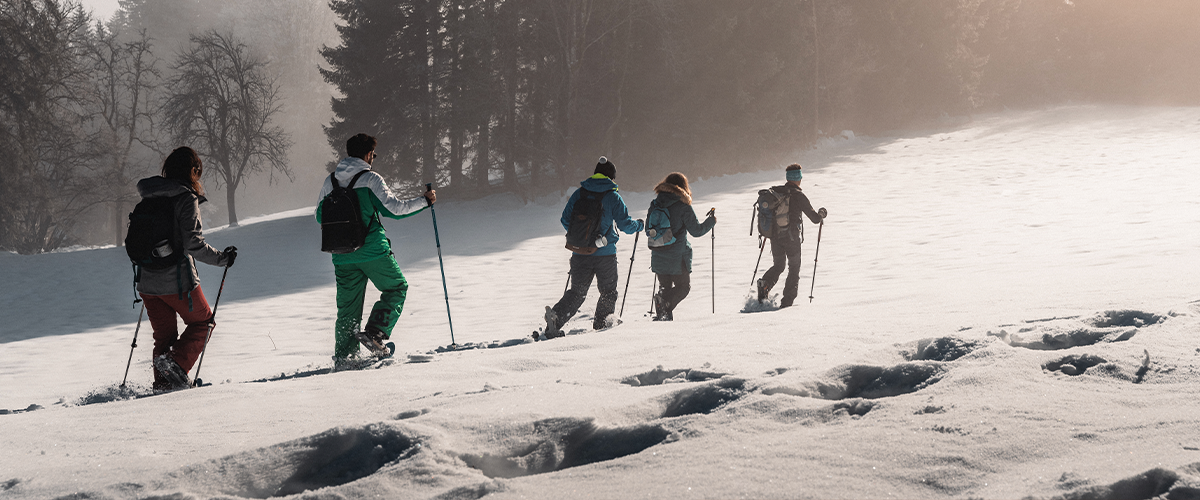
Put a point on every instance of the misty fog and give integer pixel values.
(519, 97)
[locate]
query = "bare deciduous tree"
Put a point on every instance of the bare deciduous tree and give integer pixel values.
(223, 104)
(121, 103)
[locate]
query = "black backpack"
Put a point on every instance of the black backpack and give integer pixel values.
(342, 228)
(773, 209)
(584, 229)
(151, 241)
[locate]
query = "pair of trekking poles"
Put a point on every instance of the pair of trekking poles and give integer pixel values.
(196, 382)
(654, 285)
(762, 243)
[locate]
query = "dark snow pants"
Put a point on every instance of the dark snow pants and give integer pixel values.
(184, 348)
(673, 288)
(583, 269)
(784, 253)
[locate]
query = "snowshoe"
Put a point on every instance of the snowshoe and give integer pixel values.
(373, 340)
(552, 330)
(172, 372)
(762, 290)
(659, 307)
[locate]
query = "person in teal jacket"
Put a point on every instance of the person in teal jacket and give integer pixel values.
(673, 263)
(374, 261)
(601, 264)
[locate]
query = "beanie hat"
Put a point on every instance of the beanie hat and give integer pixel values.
(606, 168)
(794, 174)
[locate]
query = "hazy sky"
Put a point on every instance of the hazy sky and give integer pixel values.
(103, 9)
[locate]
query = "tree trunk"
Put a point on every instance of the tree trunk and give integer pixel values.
(483, 160)
(427, 55)
(118, 226)
(816, 75)
(455, 165)
(232, 206)
(511, 71)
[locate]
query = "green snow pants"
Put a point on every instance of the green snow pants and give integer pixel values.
(351, 280)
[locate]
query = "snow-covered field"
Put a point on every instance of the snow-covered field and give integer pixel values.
(1004, 309)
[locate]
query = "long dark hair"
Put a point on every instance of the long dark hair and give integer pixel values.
(184, 165)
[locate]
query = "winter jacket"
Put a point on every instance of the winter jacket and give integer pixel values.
(798, 207)
(181, 279)
(676, 258)
(374, 199)
(613, 210)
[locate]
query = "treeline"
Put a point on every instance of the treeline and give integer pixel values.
(522, 95)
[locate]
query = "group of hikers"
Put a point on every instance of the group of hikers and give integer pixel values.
(351, 202)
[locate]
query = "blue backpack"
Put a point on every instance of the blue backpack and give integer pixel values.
(658, 227)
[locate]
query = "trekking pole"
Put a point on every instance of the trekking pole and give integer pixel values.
(445, 291)
(815, 254)
(713, 260)
(629, 275)
(762, 243)
(134, 344)
(212, 323)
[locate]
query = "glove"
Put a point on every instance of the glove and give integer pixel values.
(230, 255)
(822, 212)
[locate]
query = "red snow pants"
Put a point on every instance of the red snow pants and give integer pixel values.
(161, 310)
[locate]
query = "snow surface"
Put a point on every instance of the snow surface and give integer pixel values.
(1007, 309)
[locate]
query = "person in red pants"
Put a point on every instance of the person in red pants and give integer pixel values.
(175, 290)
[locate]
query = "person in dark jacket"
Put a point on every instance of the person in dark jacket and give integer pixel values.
(785, 247)
(174, 291)
(601, 264)
(673, 263)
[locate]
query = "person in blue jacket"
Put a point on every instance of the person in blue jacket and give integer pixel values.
(601, 264)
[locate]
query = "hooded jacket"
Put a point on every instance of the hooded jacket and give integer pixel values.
(676, 258)
(181, 279)
(374, 199)
(613, 211)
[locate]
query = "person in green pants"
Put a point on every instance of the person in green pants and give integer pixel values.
(374, 260)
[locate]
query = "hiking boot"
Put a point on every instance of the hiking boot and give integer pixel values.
(373, 340)
(552, 330)
(171, 372)
(660, 307)
(762, 290)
